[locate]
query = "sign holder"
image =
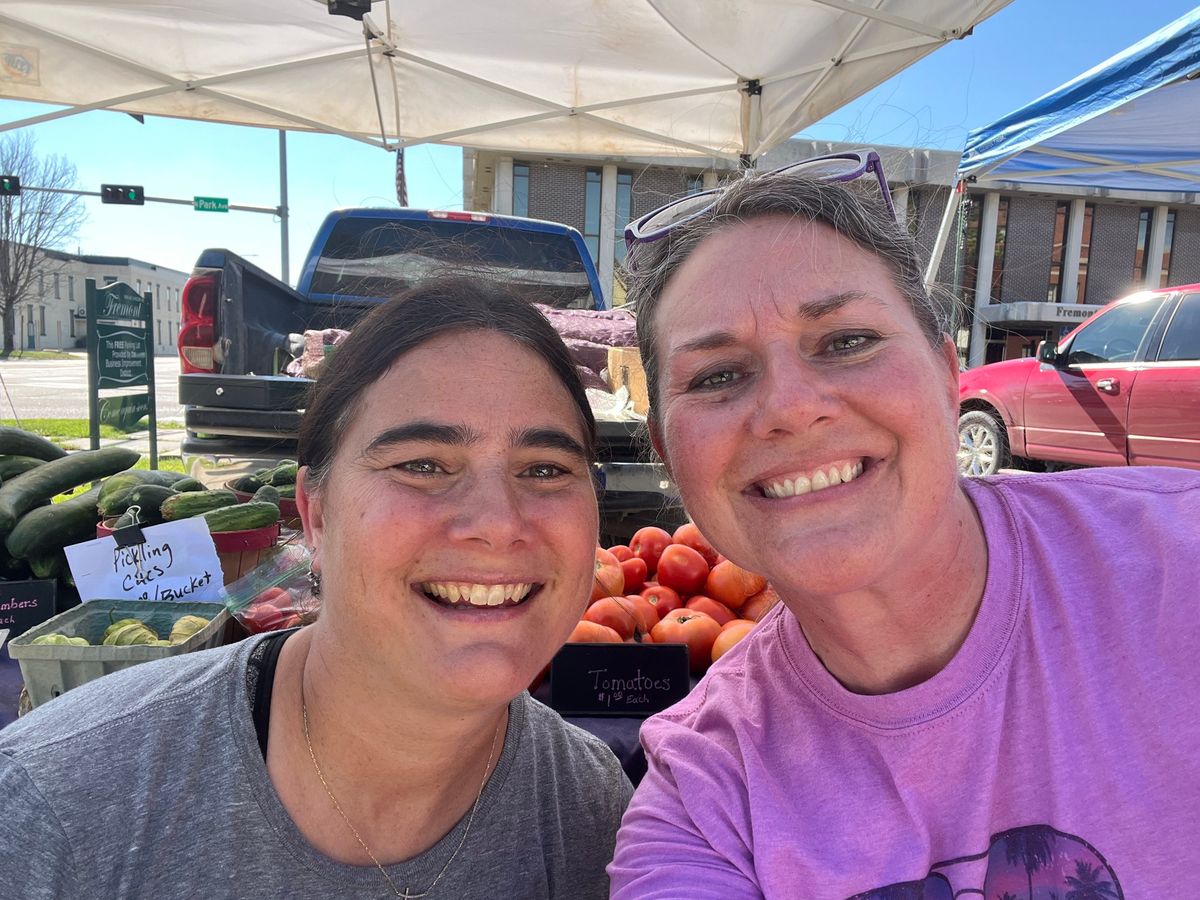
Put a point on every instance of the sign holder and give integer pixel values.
(120, 347)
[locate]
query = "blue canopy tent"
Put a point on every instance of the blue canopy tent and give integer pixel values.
(1130, 124)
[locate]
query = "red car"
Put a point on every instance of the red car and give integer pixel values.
(1122, 389)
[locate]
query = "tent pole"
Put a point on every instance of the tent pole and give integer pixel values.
(939, 245)
(283, 209)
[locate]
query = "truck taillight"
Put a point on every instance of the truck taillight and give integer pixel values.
(453, 216)
(197, 330)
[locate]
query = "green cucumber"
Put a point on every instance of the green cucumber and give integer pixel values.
(12, 466)
(114, 495)
(266, 494)
(242, 517)
(49, 565)
(247, 484)
(287, 491)
(195, 503)
(149, 498)
(18, 442)
(284, 473)
(37, 485)
(50, 528)
(188, 485)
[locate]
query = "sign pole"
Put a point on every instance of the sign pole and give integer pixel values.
(152, 419)
(92, 365)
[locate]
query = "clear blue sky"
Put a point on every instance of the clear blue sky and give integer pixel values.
(1024, 51)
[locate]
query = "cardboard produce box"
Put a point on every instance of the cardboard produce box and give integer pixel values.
(625, 370)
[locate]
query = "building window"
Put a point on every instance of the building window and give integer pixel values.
(71, 322)
(42, 317)
(624, 212)
(971, 247)
(109, 279)
(1058, 251)
(57, 290)
(591, 213)
(139, 287)
(41, 284)
(1143, 239)
(159, 324)
(1164, 277)
(1085, 251)
(71, 288)
(520, 198)
(695, 184)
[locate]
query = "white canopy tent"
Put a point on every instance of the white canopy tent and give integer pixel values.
(639, 78)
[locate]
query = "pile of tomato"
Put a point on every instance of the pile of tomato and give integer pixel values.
(673, 589)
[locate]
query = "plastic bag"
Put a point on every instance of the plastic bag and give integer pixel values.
(275, 594)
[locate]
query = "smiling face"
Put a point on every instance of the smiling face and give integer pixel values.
(456, 529)
(804, 416)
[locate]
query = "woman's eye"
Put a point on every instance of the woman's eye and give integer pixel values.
(420, 467)
(543, 471)
(713, 380)
(849, 343)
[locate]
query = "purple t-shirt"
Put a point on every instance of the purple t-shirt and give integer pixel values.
(1057, 754)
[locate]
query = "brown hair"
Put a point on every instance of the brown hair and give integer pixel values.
(851, 211)
(444, 304)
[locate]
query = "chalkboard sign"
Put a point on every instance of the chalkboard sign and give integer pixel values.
(24, 604)
(618, 679)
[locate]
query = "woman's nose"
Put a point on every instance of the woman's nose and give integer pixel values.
(791, 396)
(489, 510)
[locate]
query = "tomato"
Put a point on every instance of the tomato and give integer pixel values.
(646, 610)
(760, 604)
(621, 552)
(634, 570)
(591, 633)
(616, 613)
(648, 544)
(683, 569)
(696, 629)
(663, 599)
(719, 611)
(732, 585)
(731, 633)
(609, 581)
(689, 535)
(260, 617)
(276, 596)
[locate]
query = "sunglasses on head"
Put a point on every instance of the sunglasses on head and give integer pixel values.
(836, 167)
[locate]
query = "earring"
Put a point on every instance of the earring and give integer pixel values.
(314, 580)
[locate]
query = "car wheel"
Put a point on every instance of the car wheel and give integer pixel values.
(982, 444)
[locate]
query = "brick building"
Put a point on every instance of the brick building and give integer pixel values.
(54, 317)
(1023, 265)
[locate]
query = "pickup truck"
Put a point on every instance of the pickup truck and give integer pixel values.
(1122, 389)
(241, 326)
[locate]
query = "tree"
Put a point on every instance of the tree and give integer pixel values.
(1088, 884)
(32, 223)
(1032, 847)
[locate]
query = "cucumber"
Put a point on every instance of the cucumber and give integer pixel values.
(49, 565)
(12, 466)
(287, 491)
(149, 499)
(114, 495)
(187, 485)
(242, 517)
(195, 503)
(30, 488)
(284, 473)
(247, 483)
(51, 528)
(266, 494)
(18, 442)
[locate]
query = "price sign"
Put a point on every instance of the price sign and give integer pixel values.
(176, 561)
(618, 679)
(24, 604)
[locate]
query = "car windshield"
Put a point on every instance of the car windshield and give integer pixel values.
(367, 257)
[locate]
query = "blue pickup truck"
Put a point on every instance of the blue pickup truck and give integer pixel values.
(241, 327)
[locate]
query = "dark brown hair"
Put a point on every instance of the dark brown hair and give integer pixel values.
(435, 307)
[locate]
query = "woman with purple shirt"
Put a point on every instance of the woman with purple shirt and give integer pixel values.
(971, 687)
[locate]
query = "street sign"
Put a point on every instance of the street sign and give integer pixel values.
(120, 339)
(210, 204)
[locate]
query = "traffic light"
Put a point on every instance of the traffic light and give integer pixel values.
(122, 193)
(10, 186)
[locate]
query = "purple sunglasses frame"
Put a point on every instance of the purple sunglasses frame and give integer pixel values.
(868, 162)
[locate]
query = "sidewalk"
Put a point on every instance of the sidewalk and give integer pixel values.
(169, 440)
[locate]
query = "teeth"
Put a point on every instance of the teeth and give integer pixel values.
(478, 594)
(821, 479)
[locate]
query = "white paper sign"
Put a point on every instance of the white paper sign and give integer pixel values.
(177, 562)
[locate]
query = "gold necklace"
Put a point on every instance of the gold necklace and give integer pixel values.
(471, 818)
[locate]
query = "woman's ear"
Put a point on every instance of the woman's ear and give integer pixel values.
(308, 502)
(656, 441)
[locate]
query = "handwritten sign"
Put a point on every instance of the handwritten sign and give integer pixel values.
(618, 679)
(177, 561)
(24, 604)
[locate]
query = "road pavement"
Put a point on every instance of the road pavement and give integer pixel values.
(57, 388)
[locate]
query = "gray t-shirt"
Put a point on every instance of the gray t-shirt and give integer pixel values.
(150, 783)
